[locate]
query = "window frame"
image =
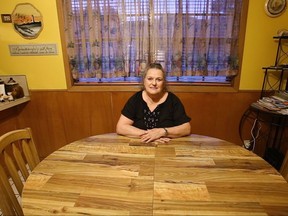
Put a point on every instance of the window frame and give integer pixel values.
(172, 86)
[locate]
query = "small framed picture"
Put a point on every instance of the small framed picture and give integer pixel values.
(6, 18)
(27, 20)
(274, 8)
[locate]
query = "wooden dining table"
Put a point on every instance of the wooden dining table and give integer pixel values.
(110, 174)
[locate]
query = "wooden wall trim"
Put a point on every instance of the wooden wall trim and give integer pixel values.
(59, 117)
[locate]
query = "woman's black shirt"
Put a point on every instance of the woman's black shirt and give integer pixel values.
(168, 114)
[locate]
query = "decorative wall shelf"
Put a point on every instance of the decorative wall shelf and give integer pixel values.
(21, 80)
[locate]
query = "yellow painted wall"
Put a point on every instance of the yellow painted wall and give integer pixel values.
(260, 49)
(43, 72)
(47, 72)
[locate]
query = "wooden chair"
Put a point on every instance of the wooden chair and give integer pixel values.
(18, 157)
(284, 167)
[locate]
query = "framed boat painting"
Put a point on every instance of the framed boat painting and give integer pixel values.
(27, 21)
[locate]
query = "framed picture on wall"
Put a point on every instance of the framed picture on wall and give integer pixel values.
(6, 18)
(274, 8)
(27, 20)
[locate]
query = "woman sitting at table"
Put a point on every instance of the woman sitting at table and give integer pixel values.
(154, 114)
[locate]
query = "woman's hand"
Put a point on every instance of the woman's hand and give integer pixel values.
(155, 134)
(162, 140)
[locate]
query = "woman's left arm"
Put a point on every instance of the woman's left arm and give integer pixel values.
(178, 131)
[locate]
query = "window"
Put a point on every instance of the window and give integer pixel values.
(111, 41)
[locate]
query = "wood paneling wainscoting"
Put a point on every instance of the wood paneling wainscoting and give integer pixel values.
(58, 117)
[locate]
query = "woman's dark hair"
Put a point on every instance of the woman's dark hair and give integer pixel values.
(155, 65)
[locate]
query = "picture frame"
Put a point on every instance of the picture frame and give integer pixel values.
(27, 20)
(275, 8)
(6, 18)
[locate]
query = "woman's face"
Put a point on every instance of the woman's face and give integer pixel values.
(154, 81)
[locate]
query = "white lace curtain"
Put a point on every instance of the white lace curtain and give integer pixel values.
(116, 39)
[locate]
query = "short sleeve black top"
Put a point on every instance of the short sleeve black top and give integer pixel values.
(168, 114)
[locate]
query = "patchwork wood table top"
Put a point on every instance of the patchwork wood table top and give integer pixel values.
(115, 175)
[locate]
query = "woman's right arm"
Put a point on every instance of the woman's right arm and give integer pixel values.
(125, 127)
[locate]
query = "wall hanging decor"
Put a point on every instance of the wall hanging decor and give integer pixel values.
(274, 8)
(27, 20)
(6, 18)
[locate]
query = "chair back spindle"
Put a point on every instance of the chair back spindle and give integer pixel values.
(18, 157)
(284, 167)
